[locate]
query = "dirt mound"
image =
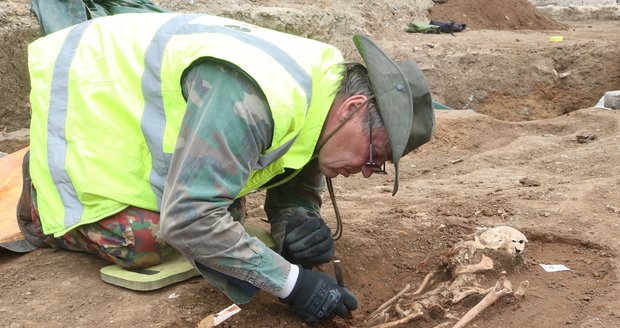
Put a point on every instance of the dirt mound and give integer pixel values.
(517, 75)
(495, 14)
(329, 21)
(18, 28)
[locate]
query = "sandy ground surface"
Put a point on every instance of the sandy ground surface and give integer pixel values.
(528, 153)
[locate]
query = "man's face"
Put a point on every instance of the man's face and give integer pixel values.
(347, 151)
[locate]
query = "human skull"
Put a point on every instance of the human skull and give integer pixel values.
(503, 237)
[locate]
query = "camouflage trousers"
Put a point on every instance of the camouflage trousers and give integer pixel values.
(129, 238)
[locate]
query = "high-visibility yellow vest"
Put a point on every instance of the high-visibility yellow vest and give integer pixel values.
(107, 106)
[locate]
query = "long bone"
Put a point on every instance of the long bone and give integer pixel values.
(416, 314)
(502, 287)
(474, 290)
(485, 264)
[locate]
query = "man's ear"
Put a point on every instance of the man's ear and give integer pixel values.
(349, 106)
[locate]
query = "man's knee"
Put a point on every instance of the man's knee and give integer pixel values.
(139, 243)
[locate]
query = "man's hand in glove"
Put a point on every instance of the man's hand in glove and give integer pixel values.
(316, 297)
(308, 242)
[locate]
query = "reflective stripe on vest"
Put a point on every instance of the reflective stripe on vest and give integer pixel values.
(153, 120)
(56, 141)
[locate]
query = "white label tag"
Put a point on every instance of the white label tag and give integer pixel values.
(554, 267)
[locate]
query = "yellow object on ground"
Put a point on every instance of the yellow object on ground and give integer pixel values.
(173, 268)
(556, 38)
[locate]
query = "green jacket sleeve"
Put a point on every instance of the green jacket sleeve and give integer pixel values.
(294, 198)
(226, 126)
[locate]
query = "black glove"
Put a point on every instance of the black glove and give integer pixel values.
(316, 297)
(308, 241)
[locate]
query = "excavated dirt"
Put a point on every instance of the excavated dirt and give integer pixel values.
(494, 14)
(524, 150)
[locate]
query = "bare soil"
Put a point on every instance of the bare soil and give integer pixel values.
(517, 118)
(494, 14)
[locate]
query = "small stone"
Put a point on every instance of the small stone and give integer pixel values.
(529, 182)
(613, 209)
(585, 137)
(612, 99)
(564, 74)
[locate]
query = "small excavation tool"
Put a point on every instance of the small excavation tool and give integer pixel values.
(340, 281)
(338, 272)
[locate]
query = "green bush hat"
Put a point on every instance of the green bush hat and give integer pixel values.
(403, 100)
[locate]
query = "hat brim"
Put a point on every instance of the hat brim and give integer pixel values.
(393, 97)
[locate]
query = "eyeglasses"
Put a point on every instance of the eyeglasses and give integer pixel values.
(374, 167)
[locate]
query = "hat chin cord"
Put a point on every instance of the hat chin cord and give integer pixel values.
(330, 187)
(332, 196)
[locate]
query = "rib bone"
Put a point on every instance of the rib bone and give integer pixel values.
(416, 314)
(390, 301)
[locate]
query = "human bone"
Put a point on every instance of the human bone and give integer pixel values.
(502, 238)
(485, 264)
(466, 263)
